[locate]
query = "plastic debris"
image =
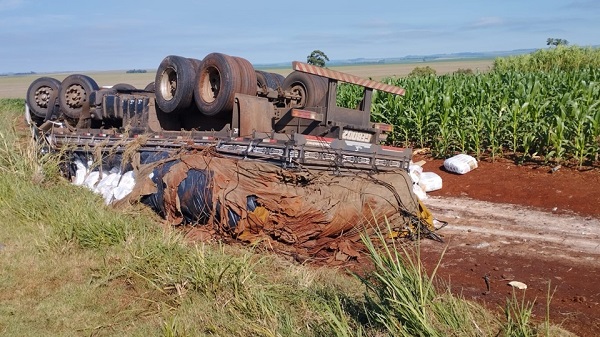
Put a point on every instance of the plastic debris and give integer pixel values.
(418, 191)
(430, 181)
(461, 163)
(518, 285)
(112, 185)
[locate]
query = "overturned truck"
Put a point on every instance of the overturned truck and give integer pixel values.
(238, 153)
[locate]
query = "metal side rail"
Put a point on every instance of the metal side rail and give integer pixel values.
(295, 151)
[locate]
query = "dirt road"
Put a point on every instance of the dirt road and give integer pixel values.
(536, 246)
(518, 230)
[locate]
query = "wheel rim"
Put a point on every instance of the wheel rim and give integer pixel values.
(299, 90)
(168, 84)
(210, 84)
(42, 96)
(75, 96)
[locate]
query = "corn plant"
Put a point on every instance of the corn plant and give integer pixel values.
(444, 124)
(595, 137)
(578, 126)
(349, 95)
(556, 132)
(545, 104)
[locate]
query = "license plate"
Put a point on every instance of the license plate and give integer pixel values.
(357, 136)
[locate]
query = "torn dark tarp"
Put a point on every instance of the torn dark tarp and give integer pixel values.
(308, 214)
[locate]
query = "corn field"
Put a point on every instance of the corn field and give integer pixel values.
(537, 113)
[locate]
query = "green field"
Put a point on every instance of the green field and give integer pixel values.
(16, 86)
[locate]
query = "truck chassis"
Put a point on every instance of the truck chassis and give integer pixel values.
(273, 125)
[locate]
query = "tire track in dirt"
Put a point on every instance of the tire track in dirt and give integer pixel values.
(513, 242)
(514, 229)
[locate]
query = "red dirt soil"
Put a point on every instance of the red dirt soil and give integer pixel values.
(567, 189)
(473, 249)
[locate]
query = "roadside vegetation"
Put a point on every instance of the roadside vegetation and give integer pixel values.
(73, 266)
(542, 107)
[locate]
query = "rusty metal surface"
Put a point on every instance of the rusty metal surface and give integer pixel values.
(253, 114)
(289, 151)
(336, 75)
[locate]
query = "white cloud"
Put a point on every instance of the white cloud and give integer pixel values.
(485, 22)
(374, 23)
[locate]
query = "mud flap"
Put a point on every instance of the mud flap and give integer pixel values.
(251, 113)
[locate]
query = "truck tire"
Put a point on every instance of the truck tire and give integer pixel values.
(247, 77)
(39, 93)
(149, 87)
(216, 83)
(323, 83)
(269, 80)
(278, 78)
(195, 64)
(261, 79)
(123, 87)
(74, 93)
(310, 88)
(174, 83)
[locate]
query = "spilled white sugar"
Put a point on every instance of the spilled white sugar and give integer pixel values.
(113, 185)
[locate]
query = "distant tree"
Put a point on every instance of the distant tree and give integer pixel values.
(317, 58)
(136, 71)
(422, 71)
(467, 71)
(556, 42)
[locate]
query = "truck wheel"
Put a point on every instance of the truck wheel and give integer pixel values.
(278, 79)
(269, 80)
(247, 77)
(74, 93)
(123, 87)
(216, 83)
(174, 83)
(261, 79)
(310, 88)
(149, 87)
(39, 93)
(195, 64)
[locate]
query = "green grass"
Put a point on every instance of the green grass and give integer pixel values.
(72, 266)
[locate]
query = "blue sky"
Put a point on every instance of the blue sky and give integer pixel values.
(83, 35)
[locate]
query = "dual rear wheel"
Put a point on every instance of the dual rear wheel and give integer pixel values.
(310, 89)
(210, 83)
(213, 82)
(73, 93)
(41, 96)
(269, 80)
(219, 78)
